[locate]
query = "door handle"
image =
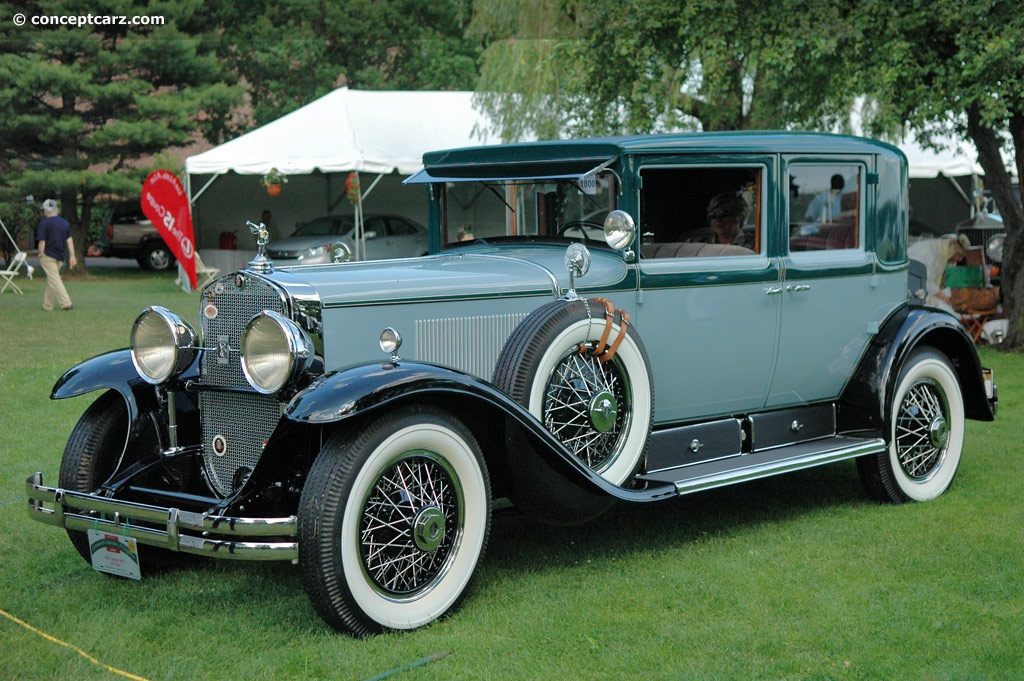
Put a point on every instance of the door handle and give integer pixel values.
(774, 290)
(799, 287)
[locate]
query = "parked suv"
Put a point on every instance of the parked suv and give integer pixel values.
(639, 318)
(130, 234)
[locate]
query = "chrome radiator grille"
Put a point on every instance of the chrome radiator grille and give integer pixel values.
(235, 425)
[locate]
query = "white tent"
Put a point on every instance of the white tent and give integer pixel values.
(351, 130)
(380, 133)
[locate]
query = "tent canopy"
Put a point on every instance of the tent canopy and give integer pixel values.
(352, 130)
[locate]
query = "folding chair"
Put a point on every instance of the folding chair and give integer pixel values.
(12, 270)
(204, 273)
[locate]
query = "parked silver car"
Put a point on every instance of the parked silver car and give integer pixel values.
(359, 418)
(333, 237)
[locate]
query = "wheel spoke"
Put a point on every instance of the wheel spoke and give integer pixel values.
(392, 558)
(574, 383)
(921, 409)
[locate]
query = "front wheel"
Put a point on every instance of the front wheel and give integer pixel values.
(926, 433)
(393, 522)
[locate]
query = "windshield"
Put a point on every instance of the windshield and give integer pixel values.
(326, 226)
(571, 208)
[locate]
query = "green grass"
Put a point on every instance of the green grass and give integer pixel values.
(797, 577)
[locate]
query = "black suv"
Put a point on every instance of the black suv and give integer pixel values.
(130, 234)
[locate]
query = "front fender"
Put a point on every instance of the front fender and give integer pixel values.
(865, 403)
(360, 390)
(112, 370)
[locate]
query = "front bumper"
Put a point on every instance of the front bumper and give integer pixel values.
(169, 528)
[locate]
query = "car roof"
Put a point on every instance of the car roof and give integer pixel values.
(571, 158)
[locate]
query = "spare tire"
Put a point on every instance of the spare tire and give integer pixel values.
(583, 371)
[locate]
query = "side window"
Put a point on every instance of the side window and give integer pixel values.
(824, 207)
(399, 227)
(701, 211)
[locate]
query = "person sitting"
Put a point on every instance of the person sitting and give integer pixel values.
(727, 212)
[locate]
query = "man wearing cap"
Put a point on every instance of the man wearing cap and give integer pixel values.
(54, 237)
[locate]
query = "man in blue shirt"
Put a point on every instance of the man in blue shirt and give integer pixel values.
(54, 237)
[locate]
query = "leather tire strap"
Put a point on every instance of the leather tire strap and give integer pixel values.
(603, 351)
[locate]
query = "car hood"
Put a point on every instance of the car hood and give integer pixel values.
(465, 275)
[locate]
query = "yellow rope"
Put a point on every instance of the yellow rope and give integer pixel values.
(78, 650)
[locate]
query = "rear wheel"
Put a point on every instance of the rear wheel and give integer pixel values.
(156, 257)
(393, 523)
(926, 433)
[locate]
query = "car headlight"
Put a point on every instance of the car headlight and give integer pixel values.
(163, 345)
(315, 251)
(994, 248)
(274, 351)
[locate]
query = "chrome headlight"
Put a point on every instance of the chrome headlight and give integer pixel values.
(274, 351)
(994, 248)
(163, 345)
(619, 229)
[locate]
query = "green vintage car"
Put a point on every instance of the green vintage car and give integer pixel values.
(599, 321)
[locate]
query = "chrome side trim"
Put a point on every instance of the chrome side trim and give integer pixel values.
(199, 533)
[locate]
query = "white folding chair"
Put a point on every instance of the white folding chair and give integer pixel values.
(12, 271)
(204, 273)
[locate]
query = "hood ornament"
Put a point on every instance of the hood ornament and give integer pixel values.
(261, 263)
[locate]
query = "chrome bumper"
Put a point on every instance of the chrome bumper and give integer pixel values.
(185, 531)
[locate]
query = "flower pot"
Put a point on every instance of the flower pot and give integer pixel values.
(273, 189)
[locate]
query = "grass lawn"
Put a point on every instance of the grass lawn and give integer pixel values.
(797, 577)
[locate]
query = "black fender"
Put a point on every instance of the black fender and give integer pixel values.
(115, 371)
(359, 391)
(864, 406)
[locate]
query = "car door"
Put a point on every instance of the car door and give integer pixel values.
(835, 295)
(405, 239)
(708, 313)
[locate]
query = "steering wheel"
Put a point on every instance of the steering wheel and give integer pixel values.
(583, 227)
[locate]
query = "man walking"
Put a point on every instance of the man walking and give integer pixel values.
(54, 237)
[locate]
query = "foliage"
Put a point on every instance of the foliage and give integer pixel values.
(946, 66)
(613, 66)
(83, 104)
(293, 51)
(275, 176)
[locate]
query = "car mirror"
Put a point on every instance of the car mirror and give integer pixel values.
(619, 229)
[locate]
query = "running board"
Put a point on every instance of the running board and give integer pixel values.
(744, 467)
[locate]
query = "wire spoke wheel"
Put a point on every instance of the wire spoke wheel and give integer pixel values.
(588, 406)
(922, 430)
(410, 524)
(926, 432)
(393, 521)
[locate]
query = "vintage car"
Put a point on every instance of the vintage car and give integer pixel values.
(359, 418)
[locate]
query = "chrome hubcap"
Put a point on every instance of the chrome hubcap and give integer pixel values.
(922, 430)
(428, 528)
(603, 410)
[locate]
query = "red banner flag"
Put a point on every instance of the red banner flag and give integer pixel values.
(165, 203)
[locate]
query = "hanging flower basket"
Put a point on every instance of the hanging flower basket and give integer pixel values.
(273, 181)
(352, 188)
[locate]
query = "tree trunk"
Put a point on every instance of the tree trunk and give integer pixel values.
(998, 181)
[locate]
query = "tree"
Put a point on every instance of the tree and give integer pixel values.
(948, 66)
(615, 66)
(292, 51)
(82, 104)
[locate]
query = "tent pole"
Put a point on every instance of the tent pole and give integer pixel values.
(188, 180)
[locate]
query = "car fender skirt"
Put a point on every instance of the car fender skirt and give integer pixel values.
(359, 390)
(865, 401)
